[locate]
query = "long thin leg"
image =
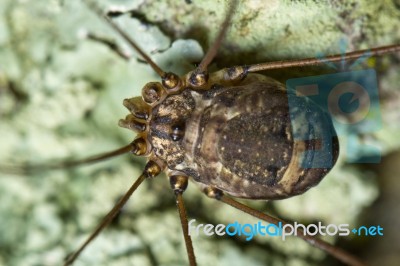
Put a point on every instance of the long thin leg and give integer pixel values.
(316, 61)
(217, 43)
(237, 73)
(110, 44)
(169, 80)
(179, 185)
(93, 6)
(24, 169)
(151, 170)
(336, 252)
(199, 77)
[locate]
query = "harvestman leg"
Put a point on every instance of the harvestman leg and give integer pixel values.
(151, 169)
(26, 169)
(110, 44)
(179, 184)
(240, 72)
(338, 253)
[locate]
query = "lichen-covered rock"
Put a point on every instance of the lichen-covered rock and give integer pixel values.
(61, 97)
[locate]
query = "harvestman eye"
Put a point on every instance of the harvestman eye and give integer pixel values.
(177, 132)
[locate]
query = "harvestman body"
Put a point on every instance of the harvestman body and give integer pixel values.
(230, 131)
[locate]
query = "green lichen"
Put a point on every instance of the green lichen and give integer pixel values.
(61, 97)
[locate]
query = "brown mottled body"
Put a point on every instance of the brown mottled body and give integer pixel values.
(238, 138)
(230, 131)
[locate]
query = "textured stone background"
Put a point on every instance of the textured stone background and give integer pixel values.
(61, 97)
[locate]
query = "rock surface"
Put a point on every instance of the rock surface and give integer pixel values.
(61, 97)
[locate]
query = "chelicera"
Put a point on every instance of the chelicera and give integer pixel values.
(214, 128)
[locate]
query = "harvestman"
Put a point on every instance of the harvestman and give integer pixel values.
(159, 96)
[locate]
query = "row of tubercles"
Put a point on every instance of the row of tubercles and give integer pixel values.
(153, 93)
